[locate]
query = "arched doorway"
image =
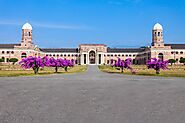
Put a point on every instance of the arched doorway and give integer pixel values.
(92, 57)
(160, 56)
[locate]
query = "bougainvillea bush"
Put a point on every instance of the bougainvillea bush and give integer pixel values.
(36, 62)
(32, 62)
(157, 64)
(59, 62)
(123, 64)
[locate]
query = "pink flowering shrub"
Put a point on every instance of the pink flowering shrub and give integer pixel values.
(36, 62)
(123, 64)
(157, 64)
(32, 62)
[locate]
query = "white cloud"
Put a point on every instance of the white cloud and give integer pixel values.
(43, 25)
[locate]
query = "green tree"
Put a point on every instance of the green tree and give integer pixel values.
(1, 60)
(172, 61)
(13, 60)
(182, 60)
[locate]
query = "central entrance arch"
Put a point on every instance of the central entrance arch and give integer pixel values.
(92, 57)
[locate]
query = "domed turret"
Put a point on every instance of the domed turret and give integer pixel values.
(27, 34)
(157, 35)
(27, 26)
(158, 26)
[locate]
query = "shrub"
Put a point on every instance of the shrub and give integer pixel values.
(172, 61)
(1, 60)
(14, 60)
(182, 60)
(157, 64)
(123, 64)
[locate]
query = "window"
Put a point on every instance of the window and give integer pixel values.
(126, 55)
(8, 52)
(155, 33)
(171, 52)
(130, 55)
(177, 52)
(160, 56)
(119, 55)
(57, 55)
(134, 55)
(72, 55)
(50, 55)
(23, 55)
(181, 52)
(122, 55)
(108, 55)
(61, 55)
(115, 55)
(46, 54)
(107, 61)
(2, 52)
(69, 55)
(12, 52)
(159, 33)
(112, 55)
(54, 55)
(64, 55)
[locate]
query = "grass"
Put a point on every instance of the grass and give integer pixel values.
(174, 71)
(8, 71)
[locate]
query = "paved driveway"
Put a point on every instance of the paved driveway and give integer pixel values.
(92, 97)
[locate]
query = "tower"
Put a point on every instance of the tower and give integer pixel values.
(157, 36)
(27, 35)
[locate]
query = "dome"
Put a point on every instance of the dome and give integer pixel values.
(27, 26)
(158, 26)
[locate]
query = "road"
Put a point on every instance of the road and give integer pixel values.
(92, 97)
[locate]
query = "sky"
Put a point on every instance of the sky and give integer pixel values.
(68, 23)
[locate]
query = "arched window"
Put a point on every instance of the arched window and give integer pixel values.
(181, 52)
(23, 55)
(160, 56)
(159, 33)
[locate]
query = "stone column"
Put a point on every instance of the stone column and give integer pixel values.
(82, 59)
(87, 60)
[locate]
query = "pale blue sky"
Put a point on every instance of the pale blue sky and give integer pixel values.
(68, 23)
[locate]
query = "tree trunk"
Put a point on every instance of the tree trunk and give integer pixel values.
(122, 70)
(56, 69)
(36, 70)
(65, 69)
(157, 71)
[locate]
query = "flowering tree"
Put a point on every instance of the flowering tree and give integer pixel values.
(35, 63)
(157, 64)
(52, 62)
(123, 64)
(68, 63)
(32, 62)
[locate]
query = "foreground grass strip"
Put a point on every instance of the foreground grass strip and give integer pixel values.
(46, 71)
(174, 71)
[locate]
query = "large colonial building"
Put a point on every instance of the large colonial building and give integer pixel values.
(94, 53)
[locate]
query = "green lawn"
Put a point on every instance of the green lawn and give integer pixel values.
(174, 71)
(18, 71)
